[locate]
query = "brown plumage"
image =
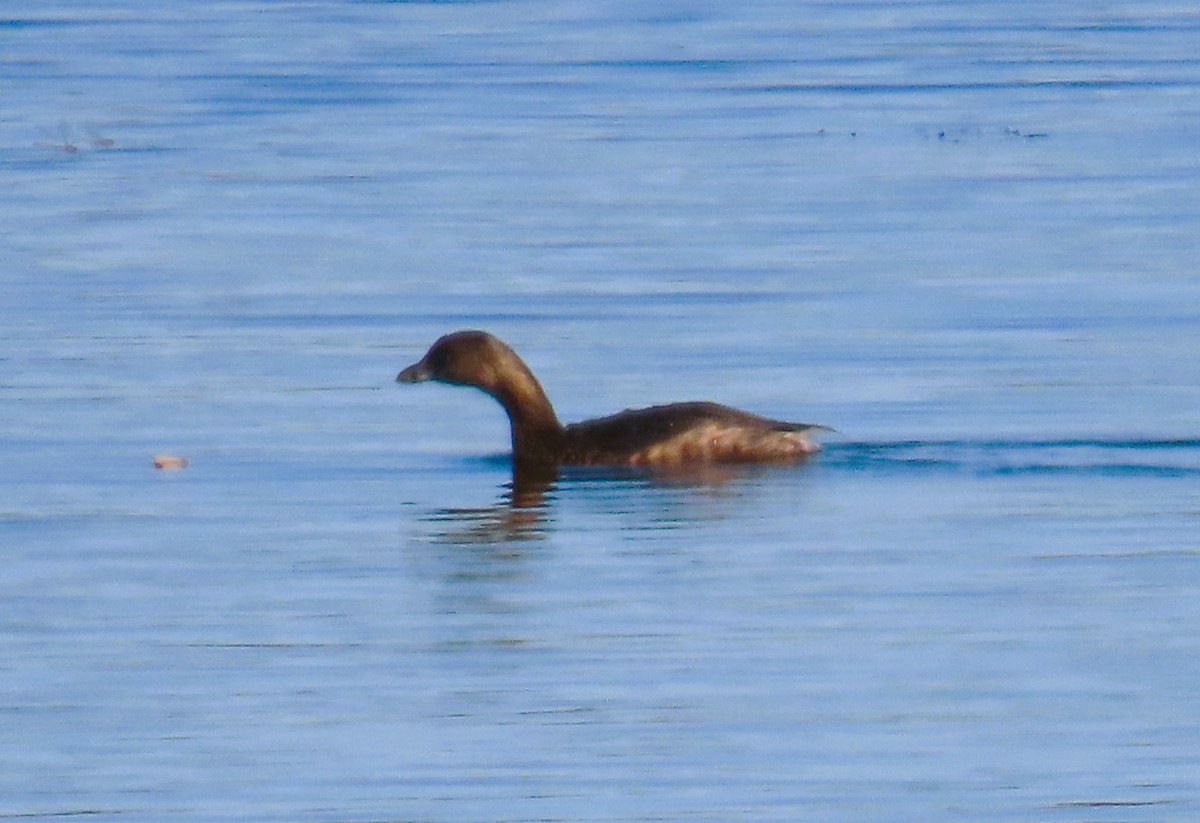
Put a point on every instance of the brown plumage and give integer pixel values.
(674, 435)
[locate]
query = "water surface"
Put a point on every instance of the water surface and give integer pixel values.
(964, 234)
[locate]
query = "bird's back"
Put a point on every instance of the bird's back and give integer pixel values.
(686, 433)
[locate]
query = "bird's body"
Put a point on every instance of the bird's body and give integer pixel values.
(677, 434)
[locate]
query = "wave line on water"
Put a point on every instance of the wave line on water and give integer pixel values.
(1156, 457)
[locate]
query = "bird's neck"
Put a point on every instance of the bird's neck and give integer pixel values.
(537, 435)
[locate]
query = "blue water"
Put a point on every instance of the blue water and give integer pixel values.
(962, 233)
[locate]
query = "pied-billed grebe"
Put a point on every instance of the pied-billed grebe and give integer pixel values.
(672, 435)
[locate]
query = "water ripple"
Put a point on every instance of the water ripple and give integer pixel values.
(1155, 457)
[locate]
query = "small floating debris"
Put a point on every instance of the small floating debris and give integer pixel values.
(1028, 135)
(170, 462)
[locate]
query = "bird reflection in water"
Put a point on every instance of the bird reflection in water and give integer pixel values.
(520, 513)
(523, 512)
